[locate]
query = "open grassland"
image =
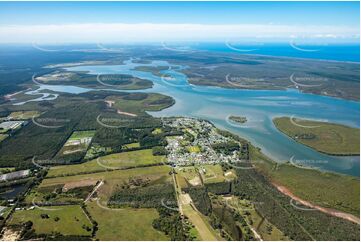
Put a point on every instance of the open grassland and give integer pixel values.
(4, 170)
(131, 145)
(182, 182)
(189, 175)
(194, 149)
(197, 175)
(230, 175)
(157, 131)
(82, 134)
(109, 162)
(131, 158)
(78, 142)
(71, 220)
(3, 136)
(112, 179)
(125, 224)
(58, 195)
(212, 173)
(333, 139)
(21, 115)
(204, 229)
(330, 190)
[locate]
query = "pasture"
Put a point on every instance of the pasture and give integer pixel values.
(109, 162)
(211, 173)
(125, 224)
(67, 220)
(112, 179)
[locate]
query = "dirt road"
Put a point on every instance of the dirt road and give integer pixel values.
(329, 211)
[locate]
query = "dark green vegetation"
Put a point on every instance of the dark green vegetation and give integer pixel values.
(135, 199)
(124, 82)
(226, 148)
(238, 119)
(233, 224)
(325, 189)
(155, 70)
(147, 196)
(296, 223)
(329, 138)
(172, 224)
(230, 224)
(337, 79)
(79, 113)
(159, 196)
(19, 63)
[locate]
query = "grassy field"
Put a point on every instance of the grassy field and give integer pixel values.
(182, 182)
(56, 195)
(82, 134)
(131, 158)
(325, 137)
(6, 169)
(125, 224)
(205, 231)
(71, 220)
(109, 162)
(212, 173)
(189, 174)
(230, 174)
(3, 136)
(157, 131)
(194, 149)
(22, 115)
(331, 190)
(113, 179)
(202, 229)
(77, 142)
(197, 175)
(131, 145)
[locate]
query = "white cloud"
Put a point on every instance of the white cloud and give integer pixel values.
(120, 32)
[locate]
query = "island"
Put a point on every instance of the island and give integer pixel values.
(325, 137)
(238, 119)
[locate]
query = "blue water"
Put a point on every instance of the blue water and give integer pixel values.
(259, 106)
(322, 51)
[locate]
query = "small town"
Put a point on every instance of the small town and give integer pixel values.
(197, 145)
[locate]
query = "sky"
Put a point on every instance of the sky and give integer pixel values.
(88, 22)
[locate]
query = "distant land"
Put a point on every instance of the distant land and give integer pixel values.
(323, 51)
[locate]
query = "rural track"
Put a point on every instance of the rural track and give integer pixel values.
(332, 212)
(94, 190)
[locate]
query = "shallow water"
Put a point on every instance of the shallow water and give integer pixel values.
(259, 106)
